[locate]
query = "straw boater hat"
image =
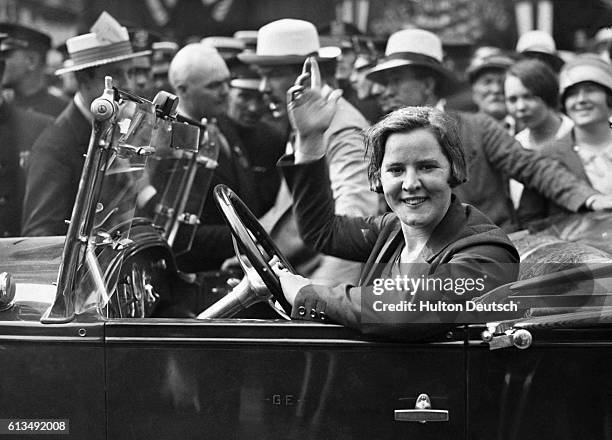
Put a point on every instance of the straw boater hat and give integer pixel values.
(540, 44)
(414, 47)
(108, 42)
(287, 41)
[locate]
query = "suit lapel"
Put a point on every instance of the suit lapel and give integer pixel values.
(390, 238)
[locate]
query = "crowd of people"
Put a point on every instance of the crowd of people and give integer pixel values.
(538, 143)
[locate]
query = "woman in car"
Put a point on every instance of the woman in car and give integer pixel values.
(532, 99)
(586, 96)
(426, 257)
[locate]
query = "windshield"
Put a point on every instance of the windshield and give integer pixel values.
(143, 207)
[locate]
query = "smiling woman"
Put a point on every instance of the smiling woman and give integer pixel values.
(586, 149)
(415, 161)
(415, 180)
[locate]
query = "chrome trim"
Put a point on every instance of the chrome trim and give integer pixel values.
(58, 339)
(276, 341)
(422, 412)
(80, 226)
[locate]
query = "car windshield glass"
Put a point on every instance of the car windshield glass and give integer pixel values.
(150, 166)
(132, 139)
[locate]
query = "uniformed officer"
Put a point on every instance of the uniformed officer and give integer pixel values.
(18, 131)
(26, 54)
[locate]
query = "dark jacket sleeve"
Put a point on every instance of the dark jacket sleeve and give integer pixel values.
(535, 206)
(544, 174)
(487, 264)
(350, 238)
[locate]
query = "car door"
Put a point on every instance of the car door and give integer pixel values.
(234, 379)
(51, 373)
(560, 387)
(48, 372)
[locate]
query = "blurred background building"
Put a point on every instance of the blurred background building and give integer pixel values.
(462, 24)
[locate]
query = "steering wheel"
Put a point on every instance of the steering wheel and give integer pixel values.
(253, 241)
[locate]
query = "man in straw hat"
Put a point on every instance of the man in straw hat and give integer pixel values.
(19, 129)
(282, 47)
(413, 75)
(58, 155)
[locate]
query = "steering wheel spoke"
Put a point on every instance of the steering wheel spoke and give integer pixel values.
(254, 249)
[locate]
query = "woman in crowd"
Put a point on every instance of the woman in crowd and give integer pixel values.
(416, 160)
(586, 95)
(532, 99)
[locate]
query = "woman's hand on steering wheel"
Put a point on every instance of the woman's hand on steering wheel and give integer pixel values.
(290, 283)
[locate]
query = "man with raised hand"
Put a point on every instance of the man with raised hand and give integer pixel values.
(282, 48)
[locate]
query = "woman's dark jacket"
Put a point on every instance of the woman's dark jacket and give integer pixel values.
(465, 244)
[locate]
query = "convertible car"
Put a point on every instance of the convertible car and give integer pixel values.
(90, 336)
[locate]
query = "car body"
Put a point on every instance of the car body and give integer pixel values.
(67, 355)
(166, 378)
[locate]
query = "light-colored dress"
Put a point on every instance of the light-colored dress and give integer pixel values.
(597, 166)
(523, 136)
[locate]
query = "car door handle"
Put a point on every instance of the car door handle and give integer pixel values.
(422, 412)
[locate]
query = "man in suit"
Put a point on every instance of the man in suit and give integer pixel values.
(58, 155)
(282, 47)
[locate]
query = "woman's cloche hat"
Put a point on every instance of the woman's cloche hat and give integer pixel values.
(108, 42)
(585, 68)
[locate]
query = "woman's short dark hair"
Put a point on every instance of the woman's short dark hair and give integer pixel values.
(408, 119)
(539, 79)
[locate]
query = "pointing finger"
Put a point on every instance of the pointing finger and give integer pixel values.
(315, 74)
